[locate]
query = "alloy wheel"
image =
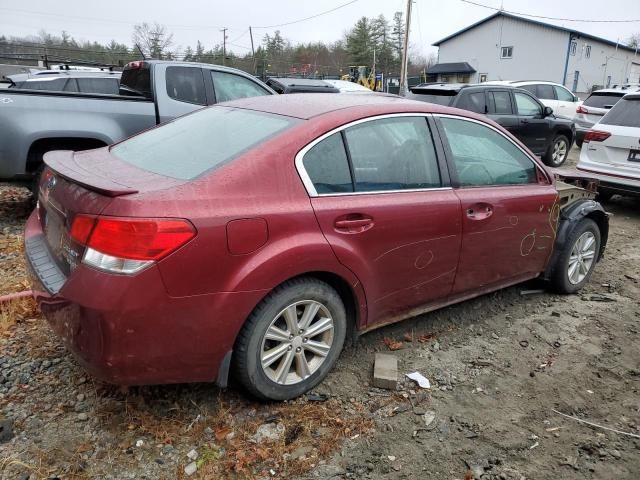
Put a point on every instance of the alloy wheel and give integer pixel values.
(297, 342)
(582, 257)
(559, 152)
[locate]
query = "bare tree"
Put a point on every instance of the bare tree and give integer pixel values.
(633, 41)
(154, 40)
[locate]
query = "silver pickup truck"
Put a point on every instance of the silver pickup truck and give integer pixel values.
(33, 122)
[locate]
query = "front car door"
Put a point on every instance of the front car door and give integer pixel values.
(509, 208)
(533, 129)
(382, 197)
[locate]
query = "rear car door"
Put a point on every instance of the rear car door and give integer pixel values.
(502, 110)
(533, 129)
(508, 206)
(384, 204)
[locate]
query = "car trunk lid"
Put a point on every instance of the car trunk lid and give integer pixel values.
(617, 149)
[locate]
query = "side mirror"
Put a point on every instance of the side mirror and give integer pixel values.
(547, 111)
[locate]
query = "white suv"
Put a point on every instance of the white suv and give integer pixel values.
(554, 95)
(611, 149)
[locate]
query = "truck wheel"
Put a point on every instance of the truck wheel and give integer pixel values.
(558, 151)
(577, 258)
(291, 340)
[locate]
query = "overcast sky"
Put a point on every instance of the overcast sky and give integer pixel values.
(192, 20)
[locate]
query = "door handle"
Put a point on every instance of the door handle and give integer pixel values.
(353, 223)
(524, 121)
(479, 211)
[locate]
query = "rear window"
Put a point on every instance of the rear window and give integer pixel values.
(438, 97)
(625, 113)
(201, 141)
(603, 100)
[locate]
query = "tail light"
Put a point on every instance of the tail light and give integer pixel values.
(135, 65)
(595, 136)
(581, 109)
(127, 245)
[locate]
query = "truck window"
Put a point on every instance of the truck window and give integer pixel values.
(99, 85)
(229, 86)
(186, 84)
(137, 80)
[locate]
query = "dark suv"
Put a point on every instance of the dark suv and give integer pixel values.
(515, 109)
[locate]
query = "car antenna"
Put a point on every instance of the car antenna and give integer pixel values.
(141, 52)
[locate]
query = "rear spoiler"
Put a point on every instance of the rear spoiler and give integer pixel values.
(63, 163)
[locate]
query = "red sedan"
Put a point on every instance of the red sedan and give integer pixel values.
(250, 238)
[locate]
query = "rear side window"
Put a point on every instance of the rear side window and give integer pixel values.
(603, 100)
(482, 156)
(392, 154)
(500, 103)
(201, 141)
(625, 113)
(99, 85)
(56, 85)
(327, 165)
(229, 86)
(546, 92)
(473, 101)
(530, 88)
(186, 84)
(138, 80)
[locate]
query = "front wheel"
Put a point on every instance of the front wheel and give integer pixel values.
(291, 340)
(558, 151)
(577, 258)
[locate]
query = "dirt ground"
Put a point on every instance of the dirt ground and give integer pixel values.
(500, 366)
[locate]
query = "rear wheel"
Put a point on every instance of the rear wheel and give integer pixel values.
(291, 340)
(577, 258)
(558, 151)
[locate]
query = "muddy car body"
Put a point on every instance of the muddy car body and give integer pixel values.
(181, 256)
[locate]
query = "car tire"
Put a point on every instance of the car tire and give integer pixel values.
(577, 258)
(604, 195)
(558, 151)
(291, 340)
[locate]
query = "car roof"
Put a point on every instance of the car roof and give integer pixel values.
(309, 105)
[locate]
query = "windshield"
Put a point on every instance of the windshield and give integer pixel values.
(201, 141)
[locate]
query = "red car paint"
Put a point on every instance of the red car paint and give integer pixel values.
(395, 254)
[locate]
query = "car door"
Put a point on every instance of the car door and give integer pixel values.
(385, 206)
(502, 110)
(567, 102)
(533, 127)
(509, 208)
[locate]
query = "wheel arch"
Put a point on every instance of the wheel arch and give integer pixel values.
(44, 144)
(566, 131)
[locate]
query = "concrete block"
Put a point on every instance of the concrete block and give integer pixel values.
(385, 371)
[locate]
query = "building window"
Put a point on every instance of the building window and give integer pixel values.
(572, 48)
(483, 77)
(506, 52)
(587, 51)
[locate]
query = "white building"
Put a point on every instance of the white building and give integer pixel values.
(508, 47)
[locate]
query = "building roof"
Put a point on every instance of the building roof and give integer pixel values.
(454, 67)
(535, 22)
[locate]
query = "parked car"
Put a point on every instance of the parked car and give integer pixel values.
(515, 109)
(69, 81)
(555, 95)
(593, 109)
(151, 92)
(300, 85)
(611, 151)
(251, 237)
(348, 87)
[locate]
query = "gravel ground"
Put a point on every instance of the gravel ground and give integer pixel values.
(499, 366)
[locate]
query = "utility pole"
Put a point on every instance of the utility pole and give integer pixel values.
(405, 52)
(224, 45)
(253, 52)
(374, 68)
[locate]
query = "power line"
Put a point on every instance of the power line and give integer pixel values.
(549, 18)
(312, 16)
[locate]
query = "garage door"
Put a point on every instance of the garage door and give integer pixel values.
(634, 73)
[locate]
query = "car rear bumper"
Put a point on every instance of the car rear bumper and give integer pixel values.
(611, 181)
(127, 330)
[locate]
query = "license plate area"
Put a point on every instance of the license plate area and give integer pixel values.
(57, 237)
(634, 156)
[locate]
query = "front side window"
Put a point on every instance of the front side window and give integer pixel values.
(526, 105)
(392, 154)
(563, 94)
(500, 103)
(186, 84)
(473, 101)
(546, 91)
(327, 165)
(189, 146)
(229, 86)
(482, 156)
(506, 52)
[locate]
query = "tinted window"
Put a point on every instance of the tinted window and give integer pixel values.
(500, 103)
(392, 154)
(195, 143)
(625, 113)
(437, 98)
(530, 88)
(137, 80)
(327, 166)
(546, 92)
(56, 85)
(482, 156)
(473, 101)
(186, 84)
(603, 100)
(526, 105)
(99, 85)
(564, 95)
(229, 86)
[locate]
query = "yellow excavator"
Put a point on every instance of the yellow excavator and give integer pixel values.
(363, 75)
